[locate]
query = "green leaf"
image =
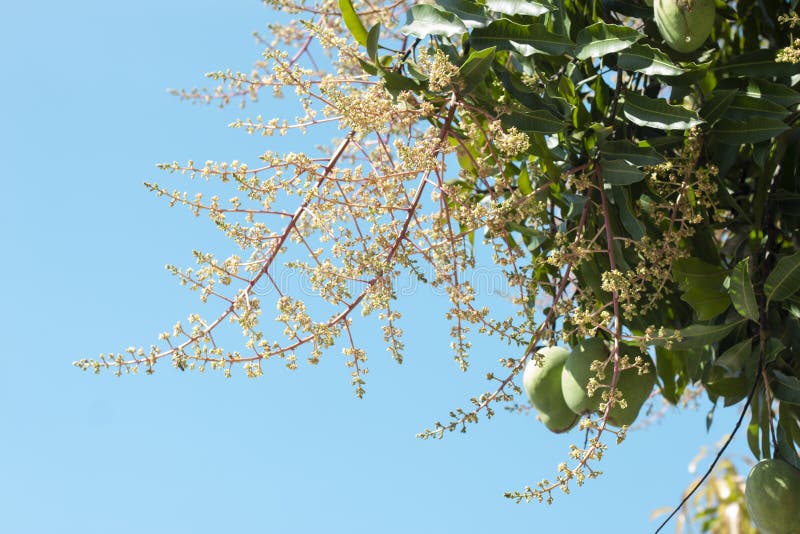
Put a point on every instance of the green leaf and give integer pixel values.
(699, 335)
(635, 154)
(707, 302)
(784, 280)
(657, 113)
(758, 64)
(744, 107)
(372, 41)
(352, 22)
(635, 228)
(734, 360)
(717, 104)
(754, 130)
(475, 68)
(533, 8)
(669, 364)
(648, 60)
(776, 93)
(786, 387)
(774, 347)
(470, 13)
(620, 172)
(542, 122)
(741, 291)
(526, 39)
(695, 272)
(600, 39)
(424, 20)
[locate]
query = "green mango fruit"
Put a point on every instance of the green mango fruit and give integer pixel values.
(684, 24)
(772, 497)
(635, 388)
(543, 385)
(576, 375)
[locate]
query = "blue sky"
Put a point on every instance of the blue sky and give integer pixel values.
(84, 118)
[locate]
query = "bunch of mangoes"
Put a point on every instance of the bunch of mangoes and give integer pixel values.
(559, 387)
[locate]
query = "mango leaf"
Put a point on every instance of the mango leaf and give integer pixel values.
(786, 387)
(470, 13)
(784, 280)
(741, 291)
(473, 71)
(396, 82)
(630, 152)
(372, 41)
(635, 228)
(657, 113)
(669, 364)
(754, 130)
(620, 172)
(773, 348)
(758, 64)
(695, 272)
(776, 93)
(542, 122)
(707, 302)
(600, 39)
(734, 360)
(647, 60)
(743, 107)
(424, 20)
(732, 373)
(512, 81)
(717, 104)
(533, 8)
(352, 22)
(699, 335)
(526, 39)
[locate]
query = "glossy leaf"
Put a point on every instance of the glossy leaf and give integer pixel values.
(786, 387)
(372, 41)
(600, 39)
(620, 172)
(784, 280)
(424, 20)
(744, 107)
(695, 272)
(741, 291)
(630, 152)
(754, 130)
(647, 60)
(352, 22)
(470, 13)
(657, 113)
(635, 228)
(717, 105)
(542, 122)
(758, 64)
(520, 7)
(699, 335)
(473, 71)
(707, 302)
(525, 39)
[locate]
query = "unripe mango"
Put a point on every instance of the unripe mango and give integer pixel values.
(772, 496)
(543, 385)
(635, 388)
(684, 24)
(576, 375)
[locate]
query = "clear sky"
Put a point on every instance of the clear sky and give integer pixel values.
(84, 117)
